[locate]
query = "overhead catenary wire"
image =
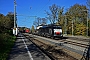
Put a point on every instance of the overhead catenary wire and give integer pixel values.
(31, 7)
(24, 8)
(43, 7)
(36, 8)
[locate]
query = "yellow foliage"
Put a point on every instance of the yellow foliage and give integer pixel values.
(80, 29)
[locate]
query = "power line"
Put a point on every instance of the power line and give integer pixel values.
(43, 7)
(24, 7)
(27, 15)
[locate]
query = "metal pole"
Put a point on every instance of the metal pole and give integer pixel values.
(14, 13)
(72, 27)
(87, 23)
(14, 17)
(65, 25)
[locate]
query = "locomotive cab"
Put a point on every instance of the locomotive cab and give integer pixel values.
(57, 31)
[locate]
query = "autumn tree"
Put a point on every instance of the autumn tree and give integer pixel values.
(32, 29)
(88, 6)
(61, 16)
(80, 29)
(76, 15)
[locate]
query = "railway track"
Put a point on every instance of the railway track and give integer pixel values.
(41, 44)
(79, 38)
(51, 50)
(53, 46)
(75, 43)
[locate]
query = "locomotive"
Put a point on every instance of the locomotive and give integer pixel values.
(51, 31)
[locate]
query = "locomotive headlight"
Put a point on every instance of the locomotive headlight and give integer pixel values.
(60, 30)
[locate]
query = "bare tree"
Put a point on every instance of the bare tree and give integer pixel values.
(37, 22)
(53, 16)
(44, 21)
(40, 21)
(88, 5)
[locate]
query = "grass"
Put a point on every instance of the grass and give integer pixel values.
(6, 43)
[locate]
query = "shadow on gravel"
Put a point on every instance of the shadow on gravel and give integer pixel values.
(36, 52)
(19, 50)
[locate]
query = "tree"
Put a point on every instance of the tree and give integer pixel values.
(80, 29)
(53, 15)
(88, 6)
(60, 16)
(76, 14)
(11, 16)
(6, 22)
(89, 28)
(37, 22)
(40, 21)
(32, 29)
(43, 21)
(1, 18)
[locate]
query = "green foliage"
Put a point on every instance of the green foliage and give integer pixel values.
(60, 16)
(78, 15)
(6, 43)
(11, 17)
(6, 22)
(6, 38)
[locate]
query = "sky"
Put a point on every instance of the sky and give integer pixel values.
(27, 9)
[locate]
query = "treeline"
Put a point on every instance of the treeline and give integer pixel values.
(6, 22)
(6, 35)
(75, 20)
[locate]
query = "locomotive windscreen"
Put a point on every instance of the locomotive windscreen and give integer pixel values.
(57, 27)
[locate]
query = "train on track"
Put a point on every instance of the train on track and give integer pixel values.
(51, 31)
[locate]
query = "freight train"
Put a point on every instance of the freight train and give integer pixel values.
(24, 30)
(51, 31)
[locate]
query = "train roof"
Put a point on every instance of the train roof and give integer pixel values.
(39, 27)
(51, 26)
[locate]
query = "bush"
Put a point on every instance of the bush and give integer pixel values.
(6, 43)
